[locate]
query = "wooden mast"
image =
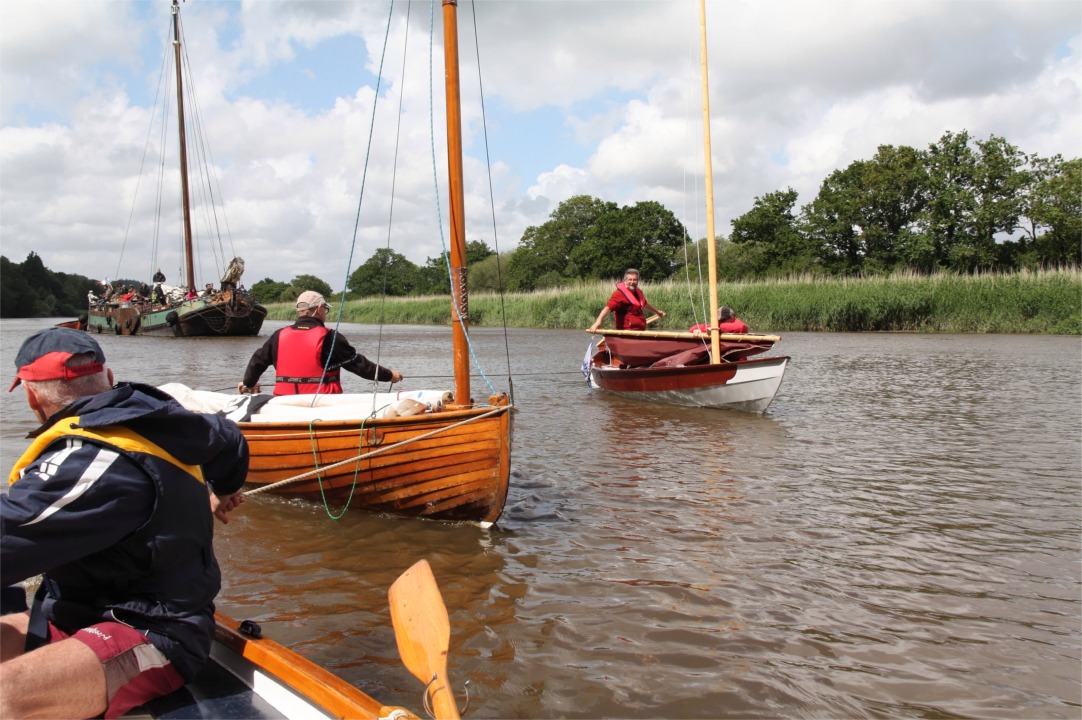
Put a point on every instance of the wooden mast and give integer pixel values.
(459, 295)
(189, 263)
(712, 252)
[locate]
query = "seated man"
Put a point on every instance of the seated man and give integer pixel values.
(728, 324)
(125, 609)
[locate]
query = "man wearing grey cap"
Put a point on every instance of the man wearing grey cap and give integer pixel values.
(113, 504)
(308, 357)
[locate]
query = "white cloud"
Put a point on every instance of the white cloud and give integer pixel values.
(797, 90)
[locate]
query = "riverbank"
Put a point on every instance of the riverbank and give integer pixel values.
(1043, 302)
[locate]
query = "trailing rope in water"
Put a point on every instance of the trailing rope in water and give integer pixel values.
(373, 453)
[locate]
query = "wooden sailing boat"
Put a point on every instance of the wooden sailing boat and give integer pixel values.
(681, 368)
(228, 310)
(434, 455)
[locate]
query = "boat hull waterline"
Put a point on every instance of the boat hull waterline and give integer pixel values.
(748, 385)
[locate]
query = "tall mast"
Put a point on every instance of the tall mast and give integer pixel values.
(712, 251)
(188, 262)
(459, 296)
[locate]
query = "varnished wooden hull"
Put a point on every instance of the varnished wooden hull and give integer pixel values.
(458, 471)
(249, 677)
(746, 385)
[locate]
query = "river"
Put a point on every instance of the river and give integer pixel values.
(899, 536)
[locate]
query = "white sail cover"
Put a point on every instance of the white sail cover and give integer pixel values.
(305, 408)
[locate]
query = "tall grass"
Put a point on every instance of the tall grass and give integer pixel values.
(1040, 302)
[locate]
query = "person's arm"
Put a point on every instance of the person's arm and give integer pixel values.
(651, 308)
(600, 317)
(46, 524)
(261, 359)
(221, 506)
(227, 465)
(343, 355)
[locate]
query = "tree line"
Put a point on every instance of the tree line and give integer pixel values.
(961, 205)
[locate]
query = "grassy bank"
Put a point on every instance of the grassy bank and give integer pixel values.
(1046, 302)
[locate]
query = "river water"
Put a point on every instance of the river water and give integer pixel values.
(899, 536)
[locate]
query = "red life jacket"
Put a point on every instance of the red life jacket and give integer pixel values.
(298, 367)
(632, 318)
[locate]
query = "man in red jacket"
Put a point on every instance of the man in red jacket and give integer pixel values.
(308, 357)
(628, 303)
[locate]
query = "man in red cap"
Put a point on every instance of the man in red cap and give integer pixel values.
(113, 503)
(308, 357)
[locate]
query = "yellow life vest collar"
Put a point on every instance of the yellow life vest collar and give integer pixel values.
(117, 436)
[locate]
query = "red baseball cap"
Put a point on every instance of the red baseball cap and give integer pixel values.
(45, 354)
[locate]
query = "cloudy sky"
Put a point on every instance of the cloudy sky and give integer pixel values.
(596, 97)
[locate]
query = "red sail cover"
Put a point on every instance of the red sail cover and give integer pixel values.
(672, 352)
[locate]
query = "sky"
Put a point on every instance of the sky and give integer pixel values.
(315, 116)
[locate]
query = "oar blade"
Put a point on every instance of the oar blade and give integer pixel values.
(423, 632)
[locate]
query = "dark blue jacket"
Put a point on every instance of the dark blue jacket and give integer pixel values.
(112, 510)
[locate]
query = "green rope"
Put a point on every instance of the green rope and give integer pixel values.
(356, 468)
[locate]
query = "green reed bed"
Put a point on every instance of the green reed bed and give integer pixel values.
(1042, 302)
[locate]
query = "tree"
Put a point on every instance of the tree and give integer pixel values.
(895, 192)
(644, 236)
(16, 295)
(489, 274)
(304, 282)
(269, 291)
(864, 216)
(771, 226)
(999, 182)
(385, 273)
(543, 257)
(29, 289)
(832, 220)
(432, 277)
(1052, 204)
(973, 196)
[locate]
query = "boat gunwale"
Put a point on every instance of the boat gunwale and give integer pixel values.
(351, 424)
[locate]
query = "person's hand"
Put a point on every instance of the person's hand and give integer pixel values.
(661, 313)
(243, 389)
(396, 377)
(221, 506)
(594, 327)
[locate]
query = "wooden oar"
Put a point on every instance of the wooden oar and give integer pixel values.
(652, 319)
(423, 632)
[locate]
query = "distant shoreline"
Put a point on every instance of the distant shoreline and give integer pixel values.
(1047, 302)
